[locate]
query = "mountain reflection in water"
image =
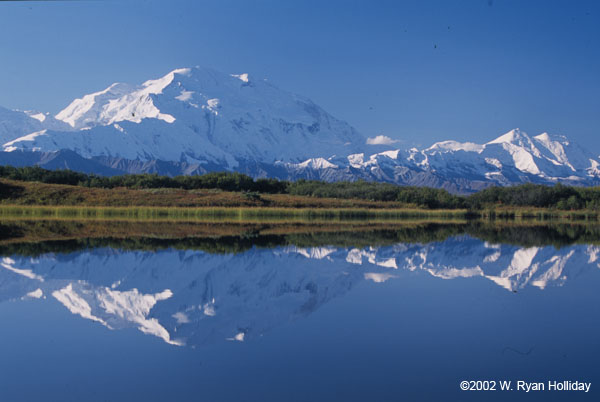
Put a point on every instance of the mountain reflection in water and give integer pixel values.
(194, 292)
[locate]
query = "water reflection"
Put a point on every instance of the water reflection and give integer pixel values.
(193, 292)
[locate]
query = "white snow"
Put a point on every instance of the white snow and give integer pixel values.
(387, 263)
(454, 272)
(594, 169)
(119, 102)
(456, 146)
(213, 105)
(41, 117)
(492, 257)
(317, 253)
(317, 163)
(521, 149)
(554, 273)
(494, 162)
(209, 309)
(354, 256)
(88, 109)
(524, 160)
(356, 160)
(242, 77)
(75, 303)
(8, 263)
(35, 294)
(390, 154)
(238, 337)
(181, 317)
(594, 253)
(115, 309)
(522, 260)
(26, 138)
(185, 96)
(514, 136)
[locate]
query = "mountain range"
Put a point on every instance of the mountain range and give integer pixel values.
(197, 120)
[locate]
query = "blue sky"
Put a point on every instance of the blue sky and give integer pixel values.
(418, 71)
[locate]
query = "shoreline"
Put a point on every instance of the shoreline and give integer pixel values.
(267, 214)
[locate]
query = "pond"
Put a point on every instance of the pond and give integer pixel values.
(401, 312)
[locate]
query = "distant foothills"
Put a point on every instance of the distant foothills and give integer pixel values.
(34, 186)
(196, 120)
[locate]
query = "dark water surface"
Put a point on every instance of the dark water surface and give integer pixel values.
(337, 317)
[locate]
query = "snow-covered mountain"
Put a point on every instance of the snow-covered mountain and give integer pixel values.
(512, 158)
(195, 120)
(196, 115)
(193, 297)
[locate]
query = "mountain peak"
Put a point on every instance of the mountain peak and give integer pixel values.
(543, 137)
(120, 102)
(124, 102)
(547, 138)
(87, 110)
(514, 136)
(157, 86)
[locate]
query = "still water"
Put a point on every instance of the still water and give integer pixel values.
(307, 318)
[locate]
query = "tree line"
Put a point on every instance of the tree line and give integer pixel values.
(526, 195)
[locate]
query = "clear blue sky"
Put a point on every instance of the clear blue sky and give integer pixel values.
(419, 71)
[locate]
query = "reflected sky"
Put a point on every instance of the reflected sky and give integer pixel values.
(428, 304)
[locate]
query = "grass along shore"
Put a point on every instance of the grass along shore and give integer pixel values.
(21, 199)
(278, 214)
(221, 214)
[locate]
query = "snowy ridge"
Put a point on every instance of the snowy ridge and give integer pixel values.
(512, 158)
(456, 146)
(119, 102)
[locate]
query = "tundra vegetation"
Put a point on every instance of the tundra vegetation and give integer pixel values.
(37, 186)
